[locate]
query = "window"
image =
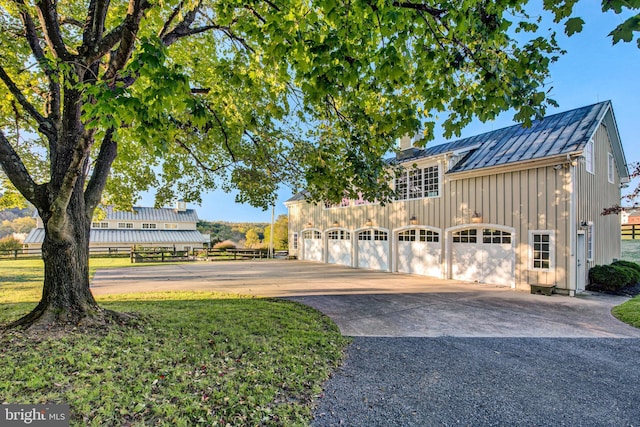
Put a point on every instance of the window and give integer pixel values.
(125, 225)
(312, 234)
(401, 186)
(466, 236)
(365, 235)
(345, 202)
(541, 245)
(496, 236)
(100, 225)
(338, 235)
(588, 156)
(295, 241)
(149, 226)
(590, 242)
(611, 167)
(417, 183)
(171, 225)
(380, 235)
(419, 236)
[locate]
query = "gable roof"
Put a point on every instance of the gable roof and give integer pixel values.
(557, 134)
(152, 214)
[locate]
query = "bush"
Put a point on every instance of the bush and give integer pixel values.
(613, 277)
(9, 244)
(227, 244)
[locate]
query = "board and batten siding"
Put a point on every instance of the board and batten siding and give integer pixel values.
(595, 193)
(530, 199)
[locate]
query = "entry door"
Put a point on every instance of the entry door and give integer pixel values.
(581, 268)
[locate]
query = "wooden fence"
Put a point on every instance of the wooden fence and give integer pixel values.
(630, 232)
(160, 254)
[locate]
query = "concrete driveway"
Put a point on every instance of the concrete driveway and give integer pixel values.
(369, 303)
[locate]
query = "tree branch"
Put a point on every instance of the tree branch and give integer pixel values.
(94, 25)
(421, 7)
(48, 14)
(44, 124)
(53, 99)
(199, 162)
(16, 171)
(98, 180)
(129, 28)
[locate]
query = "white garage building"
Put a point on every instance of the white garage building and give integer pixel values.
(514, 207)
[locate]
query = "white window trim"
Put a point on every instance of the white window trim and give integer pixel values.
(552, 249)
(407, 180)
(295, 241)
(589, 150)
(590, 242)
(610, 168)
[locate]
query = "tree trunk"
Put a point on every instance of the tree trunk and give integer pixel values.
(66, 297)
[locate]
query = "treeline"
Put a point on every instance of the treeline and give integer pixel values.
(247, 234)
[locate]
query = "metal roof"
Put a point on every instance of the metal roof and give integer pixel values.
(557, 134)
(131, 237)
(152, 214)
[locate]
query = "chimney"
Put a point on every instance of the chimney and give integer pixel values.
(406, 142)
(181, 206)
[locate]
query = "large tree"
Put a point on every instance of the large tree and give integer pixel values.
(102, 99)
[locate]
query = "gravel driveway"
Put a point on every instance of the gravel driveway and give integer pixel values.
(450, 381)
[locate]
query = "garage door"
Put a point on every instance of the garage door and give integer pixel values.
(339, 247)
(483, 255)
(419, 252)
(373, 249)
(312, 245)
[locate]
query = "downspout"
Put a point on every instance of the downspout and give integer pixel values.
(573, 230)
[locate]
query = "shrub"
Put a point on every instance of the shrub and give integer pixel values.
(227, 244)
(9, 244)
(614, 276)
(628, 264)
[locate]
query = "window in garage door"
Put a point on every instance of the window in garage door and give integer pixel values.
(418, 236)
(338, 235)
(311, 234)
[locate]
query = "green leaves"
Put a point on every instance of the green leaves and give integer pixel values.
(573, 25)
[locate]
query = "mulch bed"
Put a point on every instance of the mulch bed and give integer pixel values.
(627, 291)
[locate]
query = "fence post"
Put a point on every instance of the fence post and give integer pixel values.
(15, 254)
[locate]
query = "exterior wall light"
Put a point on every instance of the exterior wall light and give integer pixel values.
(369, 222)
(309, 224)
(413, 220)
(336, 224)
(476, 218)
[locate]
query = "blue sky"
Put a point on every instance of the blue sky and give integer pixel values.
(592, 71)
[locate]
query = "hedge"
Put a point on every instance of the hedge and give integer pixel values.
(614, 276)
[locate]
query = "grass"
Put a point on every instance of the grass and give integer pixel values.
(629, 312)
(193, 358)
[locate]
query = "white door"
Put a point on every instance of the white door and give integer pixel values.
(419, 252)
(581, 271)
(483, 255)
(339, 247)
(373, 250)
(312, 245)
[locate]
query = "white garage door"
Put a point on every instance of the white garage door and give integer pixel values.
(483, 255)
(373, 249)
(312, 245)
(339, 247)
(419, 252)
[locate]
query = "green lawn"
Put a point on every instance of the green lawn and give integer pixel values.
(629, 312)
(193, 358)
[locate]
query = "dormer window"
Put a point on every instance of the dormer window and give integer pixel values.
(148, 226)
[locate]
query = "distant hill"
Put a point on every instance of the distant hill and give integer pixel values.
(14, 213)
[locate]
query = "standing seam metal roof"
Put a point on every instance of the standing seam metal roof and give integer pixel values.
(127, 237)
